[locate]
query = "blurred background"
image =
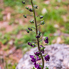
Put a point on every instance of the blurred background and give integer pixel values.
(13, 35)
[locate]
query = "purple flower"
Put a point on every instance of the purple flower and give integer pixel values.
(33, 59)
(37, 58)
(27, 31)
(30, 29)
(31, 10)
(23, 2)
(46, 40)
(24, 16)
(42, 49)
(41, 46)
(38, 36)
(47, 57)
(37, 66)
(33, 45)
(29, 43)
(41, 17)
(37, 53)
(35, 6)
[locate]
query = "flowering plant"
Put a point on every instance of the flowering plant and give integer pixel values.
(39, 54)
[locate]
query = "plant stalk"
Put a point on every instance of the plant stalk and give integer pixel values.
(37, 33)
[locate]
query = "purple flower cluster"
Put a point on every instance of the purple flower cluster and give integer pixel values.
(39, 54)
(38, 57)
(33, 59)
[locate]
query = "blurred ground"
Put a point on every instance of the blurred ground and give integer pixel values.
(13, 36)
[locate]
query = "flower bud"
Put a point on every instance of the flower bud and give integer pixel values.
(23, 2)
(42, 22)
(46, 40)
(38, 36)
(37, 53)
(31, 10)
(39, 32)
(41, 17)
(29, 29)
(32, 21)
(24, 16)
(29, 43)
(27, 8)
(33, 45)
(35, 6)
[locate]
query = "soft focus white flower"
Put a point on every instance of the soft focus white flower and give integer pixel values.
(44, 11)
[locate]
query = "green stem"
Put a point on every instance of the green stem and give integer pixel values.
(37, 33)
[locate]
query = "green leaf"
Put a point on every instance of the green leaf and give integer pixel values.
(47, 68)
(33, 68)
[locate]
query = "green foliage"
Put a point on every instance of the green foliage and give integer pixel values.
(52, 14)
(27, 37)
(5, 38)
(18, 42)
(48, 27)
(1, 17)
(66, 25)
(51, 28)
(12, 3)
(66, 40)
(47, 68)
(33, 68)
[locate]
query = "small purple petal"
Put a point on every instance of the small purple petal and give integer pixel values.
(31, 56)
(33, 60)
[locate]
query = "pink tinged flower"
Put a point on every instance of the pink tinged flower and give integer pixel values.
(47, 57)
